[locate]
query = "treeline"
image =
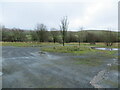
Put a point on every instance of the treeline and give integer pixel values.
(61, 35)
(41, 34)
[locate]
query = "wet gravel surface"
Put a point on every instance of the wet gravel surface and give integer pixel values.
(27, 67)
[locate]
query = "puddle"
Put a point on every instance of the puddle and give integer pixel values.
(109, 49)
(109, 64)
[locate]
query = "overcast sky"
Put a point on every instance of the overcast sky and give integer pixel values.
(90, 14)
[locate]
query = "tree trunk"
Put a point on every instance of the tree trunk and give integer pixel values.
(63, 41)
(54, 41)
(79, 43)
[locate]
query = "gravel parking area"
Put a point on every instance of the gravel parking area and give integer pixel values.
(27, 67)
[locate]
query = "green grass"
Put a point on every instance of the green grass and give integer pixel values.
(115, 45)
(26, 44)
(67, 49)
(77, 50)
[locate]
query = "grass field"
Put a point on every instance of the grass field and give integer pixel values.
(115, 45)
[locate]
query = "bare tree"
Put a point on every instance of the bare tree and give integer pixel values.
(63, 28)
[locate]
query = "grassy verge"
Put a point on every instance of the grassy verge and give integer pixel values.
(115, 45)
(76, 50)
(26, 44)
(67, 49)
